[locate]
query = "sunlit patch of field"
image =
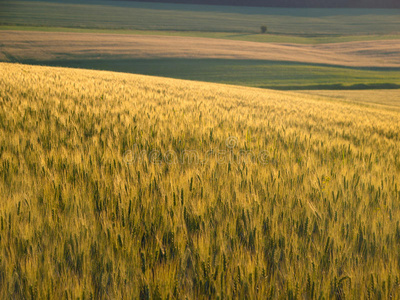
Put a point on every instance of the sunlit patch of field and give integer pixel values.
(389, 98)
(317, 219)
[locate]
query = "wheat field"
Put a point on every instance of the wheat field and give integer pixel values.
(81, 216)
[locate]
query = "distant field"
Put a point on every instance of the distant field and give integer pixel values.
(278, 66)
(313, 214)
(200, 18)
(236, 36)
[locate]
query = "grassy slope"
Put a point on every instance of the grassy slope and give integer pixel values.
(320, 218)
(253, 73)
(263, 74)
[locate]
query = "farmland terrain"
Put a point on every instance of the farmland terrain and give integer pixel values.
(169, 151)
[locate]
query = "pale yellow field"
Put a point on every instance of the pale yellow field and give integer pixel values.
(42, 46)
(82, 216)
(388, 98)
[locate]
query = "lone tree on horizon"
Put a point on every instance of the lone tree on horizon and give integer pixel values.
(263, 29)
